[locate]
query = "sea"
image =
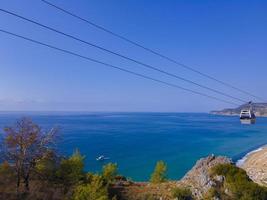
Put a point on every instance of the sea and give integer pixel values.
(136, 141)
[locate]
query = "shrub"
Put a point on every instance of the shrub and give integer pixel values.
(214, 194)
(46, 167)
(159, 174)
(5, 168)
(95, 190)
(238, 183)
(7, 174)
(109, 172)
(147, 197)
(70, 171)
(182, 194)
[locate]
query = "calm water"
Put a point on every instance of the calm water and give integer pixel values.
(137, 140)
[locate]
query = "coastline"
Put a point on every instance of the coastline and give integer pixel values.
(232, 114)
(255, 164)
(242, 160)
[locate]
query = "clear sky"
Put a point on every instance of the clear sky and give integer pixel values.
(225, 39)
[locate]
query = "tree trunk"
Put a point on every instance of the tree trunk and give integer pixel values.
(18, 182)
(26, 183)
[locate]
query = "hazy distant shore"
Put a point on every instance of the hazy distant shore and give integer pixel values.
(232, 114)
(260, 110)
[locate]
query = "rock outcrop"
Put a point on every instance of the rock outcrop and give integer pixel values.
(199, 179)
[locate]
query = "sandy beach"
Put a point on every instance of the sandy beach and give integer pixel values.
(255, 164)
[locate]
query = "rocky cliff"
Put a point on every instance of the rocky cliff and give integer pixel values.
(199, 178)
(260, 110)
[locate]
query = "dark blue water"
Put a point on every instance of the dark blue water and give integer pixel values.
(136, 141)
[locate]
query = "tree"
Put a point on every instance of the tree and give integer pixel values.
(95, 190)
(47, 167)
(159, 174)
(182, 194)
(109, 172)
(25, 143)
(71, 170)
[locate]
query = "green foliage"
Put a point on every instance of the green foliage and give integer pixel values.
(95, 190)
(109, 172)
(238, 183)
(231, 172)
(88, 177)
(114, 198)
(182, 194)
(147, 197)
(46, 167)
(159, 174)
(5, 168)
(213, 193)
(70, 171)
(7, 174)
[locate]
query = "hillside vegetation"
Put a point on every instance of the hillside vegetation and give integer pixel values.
(32, 169)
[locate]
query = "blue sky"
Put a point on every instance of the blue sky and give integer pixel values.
(225, 39)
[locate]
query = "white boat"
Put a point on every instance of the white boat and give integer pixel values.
(247, 116)
(101, 158)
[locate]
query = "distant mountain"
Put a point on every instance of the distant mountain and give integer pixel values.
(260, 110)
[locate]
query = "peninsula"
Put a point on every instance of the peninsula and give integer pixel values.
(260, 110)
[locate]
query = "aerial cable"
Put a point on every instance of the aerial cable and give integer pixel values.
(114, 67)
(152, 51)
(123, 56)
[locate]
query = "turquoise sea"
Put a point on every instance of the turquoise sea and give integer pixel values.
(136, 141)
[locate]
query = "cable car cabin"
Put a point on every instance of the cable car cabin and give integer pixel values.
(247, 117)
